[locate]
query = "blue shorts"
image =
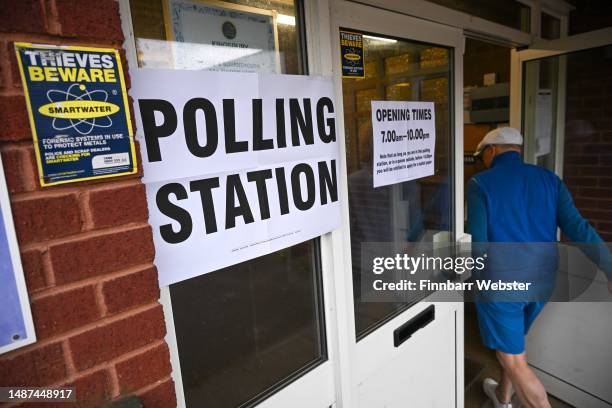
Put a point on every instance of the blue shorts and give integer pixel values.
(503, 325)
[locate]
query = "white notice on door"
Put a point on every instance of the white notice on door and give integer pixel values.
(404, 141)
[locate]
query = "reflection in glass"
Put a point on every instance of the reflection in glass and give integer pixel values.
(413, 211)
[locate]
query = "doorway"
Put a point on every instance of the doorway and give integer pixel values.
(487, 85)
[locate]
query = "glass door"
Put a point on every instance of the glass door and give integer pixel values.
(566, 110)
(404, 60)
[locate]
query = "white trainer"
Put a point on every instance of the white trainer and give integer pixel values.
(489, 385)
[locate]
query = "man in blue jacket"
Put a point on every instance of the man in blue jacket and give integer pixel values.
(517, 202)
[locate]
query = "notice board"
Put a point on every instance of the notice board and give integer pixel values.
(16, 327)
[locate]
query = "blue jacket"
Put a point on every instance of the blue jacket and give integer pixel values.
(518, 202)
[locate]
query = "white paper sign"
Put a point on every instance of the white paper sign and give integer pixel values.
(231, 38)
(236, 166)
(544, 125)
(404, 141)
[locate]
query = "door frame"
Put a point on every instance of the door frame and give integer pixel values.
(351, 15)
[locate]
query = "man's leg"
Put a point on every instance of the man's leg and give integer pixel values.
(528, 387)
(504, 389)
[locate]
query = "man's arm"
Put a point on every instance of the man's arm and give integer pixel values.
(578, 230)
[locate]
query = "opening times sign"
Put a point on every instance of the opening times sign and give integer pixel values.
(77, 105)
(236, 165)
(404, 140)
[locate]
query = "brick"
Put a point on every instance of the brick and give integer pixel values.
(582, 160)
(64, 311)
(13, 161)
(93, 256)
(14, 118)
(117, 206)
(581, 181)
(90, 19)
(36, 368)
(92, 389)
(144, 369)
(605, 182)
(33, 270)
(594, 171)
(605, 193)
(602, 124)
(606, 160)
(114, 339)
(605, 204)
(604, 226)
(23, 16)
(585, 202)
(162, 396)
(131, 290)
(598, 148)
(575, 136)
(43, 218)
(601, 215)
(14, 67)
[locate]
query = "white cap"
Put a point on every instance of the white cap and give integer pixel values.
(500, 136)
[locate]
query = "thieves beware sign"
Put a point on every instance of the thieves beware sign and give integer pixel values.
(351, 53)
(236, 165)
(78, 112)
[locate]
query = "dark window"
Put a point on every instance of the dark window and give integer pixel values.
(550, 27)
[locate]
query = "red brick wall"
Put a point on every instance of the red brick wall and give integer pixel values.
(588, 140)
(86, 248)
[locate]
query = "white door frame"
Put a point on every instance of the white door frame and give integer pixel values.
(354, 363)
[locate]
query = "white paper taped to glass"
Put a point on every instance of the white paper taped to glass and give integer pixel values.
(236, 165)
(404, 140)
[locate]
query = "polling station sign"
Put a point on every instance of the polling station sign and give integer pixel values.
(236, 165)
(78, 109)
(16, 326)
(404, 141)
(351, 54)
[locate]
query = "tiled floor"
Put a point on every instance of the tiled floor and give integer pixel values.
(480, 355)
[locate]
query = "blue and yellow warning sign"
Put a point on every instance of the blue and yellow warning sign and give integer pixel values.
(351, 50)
(78, 108)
